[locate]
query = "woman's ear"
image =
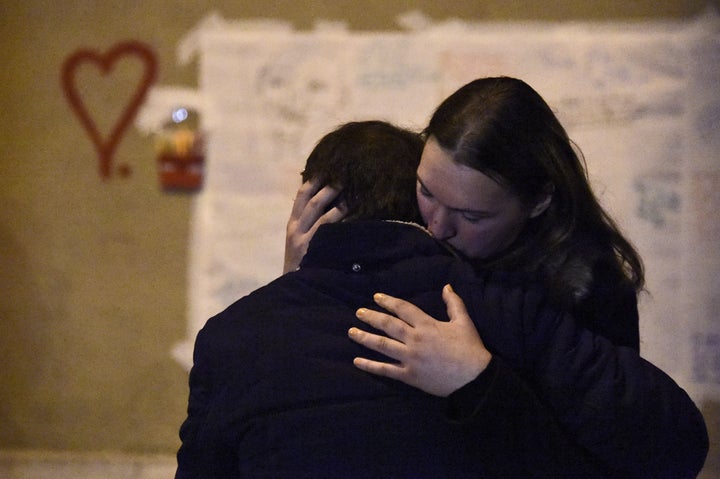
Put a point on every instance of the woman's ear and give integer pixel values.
(544, 202)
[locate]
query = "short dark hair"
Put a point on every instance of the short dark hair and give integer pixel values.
(375, 164)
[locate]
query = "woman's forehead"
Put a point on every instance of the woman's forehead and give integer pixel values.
(458, 186)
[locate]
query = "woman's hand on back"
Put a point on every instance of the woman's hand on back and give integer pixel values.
(435, 356)
(310, 210)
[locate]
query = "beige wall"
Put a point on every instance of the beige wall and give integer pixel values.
(92, 272)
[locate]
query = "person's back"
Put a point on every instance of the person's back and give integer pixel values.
(266, 402)
(293, 405)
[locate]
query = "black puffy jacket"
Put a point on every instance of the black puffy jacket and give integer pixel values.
(273, 392)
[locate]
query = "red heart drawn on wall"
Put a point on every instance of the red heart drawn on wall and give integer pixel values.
(106, 146)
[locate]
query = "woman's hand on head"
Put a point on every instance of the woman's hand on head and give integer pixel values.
(435, 356)
(309, 211)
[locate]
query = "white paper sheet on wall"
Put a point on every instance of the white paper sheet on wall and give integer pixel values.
(642, 101)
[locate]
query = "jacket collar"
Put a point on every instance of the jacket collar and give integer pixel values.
(370, 243)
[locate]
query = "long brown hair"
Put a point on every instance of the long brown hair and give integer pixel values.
(504, 129)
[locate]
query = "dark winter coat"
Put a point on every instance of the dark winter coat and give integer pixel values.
(273, 392)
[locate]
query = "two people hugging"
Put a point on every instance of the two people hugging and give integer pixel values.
(455, 303)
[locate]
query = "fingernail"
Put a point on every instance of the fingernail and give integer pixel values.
(352, 331)
(378, 296)
(360, 312)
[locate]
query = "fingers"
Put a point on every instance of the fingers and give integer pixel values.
(407, 312)
(310, 204)
(457, 312)
(393, 371)
(455, 305)
(306, 191)
(308, 213)
(381, 344)
(394, 327)
(313, 212)
(333, 216)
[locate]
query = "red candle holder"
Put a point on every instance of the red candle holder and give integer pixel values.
(181, 155)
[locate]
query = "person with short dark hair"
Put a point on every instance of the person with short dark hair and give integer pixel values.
(273, 392)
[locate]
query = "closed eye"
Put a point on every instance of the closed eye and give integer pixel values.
(424, 191)
(467, 215)
(471, 217)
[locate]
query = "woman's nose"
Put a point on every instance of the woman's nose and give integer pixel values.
(440, 225)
